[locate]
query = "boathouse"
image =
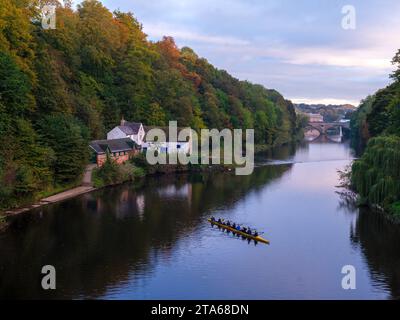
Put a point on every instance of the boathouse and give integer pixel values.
(119, 150)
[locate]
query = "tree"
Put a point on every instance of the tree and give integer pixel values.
(16, 33)
(58, 88)
(14, 88)
(155, 115)
(396, 62)
(68, 138)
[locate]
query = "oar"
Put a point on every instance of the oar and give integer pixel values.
(241, 225)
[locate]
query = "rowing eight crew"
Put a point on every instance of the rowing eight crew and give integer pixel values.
(235, 226)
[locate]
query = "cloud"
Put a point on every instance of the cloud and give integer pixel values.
(338, 58)
(328, 56)
(159, 30)
(296, 47)
(325, 101)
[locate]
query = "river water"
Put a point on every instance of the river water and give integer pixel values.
(153, 242)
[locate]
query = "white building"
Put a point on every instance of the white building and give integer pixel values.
(137, 132)
(315, 117)
(169, 145)
(132, 130)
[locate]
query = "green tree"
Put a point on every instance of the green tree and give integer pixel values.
(68, 138)
(14, 88)
(155, 115)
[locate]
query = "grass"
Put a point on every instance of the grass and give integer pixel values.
(139, 172)
(56, 190)
(96, 180)
(396, 209)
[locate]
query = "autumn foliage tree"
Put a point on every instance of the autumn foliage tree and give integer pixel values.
(59, 88)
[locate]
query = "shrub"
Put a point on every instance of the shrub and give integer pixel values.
(112, 173)
(108, 174)
(140, 161)
(396, 209)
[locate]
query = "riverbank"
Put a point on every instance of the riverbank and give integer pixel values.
(136, 239)
(92, 182)
(392, 218)
(111, 175)
(52, 199)
(85, 187)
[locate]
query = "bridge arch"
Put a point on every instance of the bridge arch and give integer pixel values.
(323, 128)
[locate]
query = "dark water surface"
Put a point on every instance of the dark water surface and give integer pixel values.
(153, 241)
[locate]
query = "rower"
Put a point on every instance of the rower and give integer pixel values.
(234, 225)
(244, 229)
(228, 223)
(219, 220)
(256, 233)
(212, 219)
(249, 231)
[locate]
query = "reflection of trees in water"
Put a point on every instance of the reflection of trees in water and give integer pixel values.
(283, 152)
(105, 238)
(347, 200)
(379, 240)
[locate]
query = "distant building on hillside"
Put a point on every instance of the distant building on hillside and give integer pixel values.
(132, 130)
(119, 150)
(314, 117)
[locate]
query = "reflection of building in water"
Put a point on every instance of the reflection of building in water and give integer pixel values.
(90, 203)
(311, 134)
(124, 196)
(140, 204)
(123, 205)
(174, 192)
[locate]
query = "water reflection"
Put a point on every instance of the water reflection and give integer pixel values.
(378, 239)
(235, 235)
(103, 239)
(151, 241)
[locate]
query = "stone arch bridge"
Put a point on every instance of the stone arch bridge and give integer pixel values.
(323, 127)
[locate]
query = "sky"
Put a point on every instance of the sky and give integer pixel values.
(297, 47)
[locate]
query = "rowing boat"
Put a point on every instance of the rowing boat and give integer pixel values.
(244, 234)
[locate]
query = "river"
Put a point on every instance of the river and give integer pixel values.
(152, 241)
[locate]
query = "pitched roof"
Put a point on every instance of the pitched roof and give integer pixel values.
(116, 145)
(130, 128)
(166, 131)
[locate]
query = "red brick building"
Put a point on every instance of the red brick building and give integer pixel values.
(119, 150)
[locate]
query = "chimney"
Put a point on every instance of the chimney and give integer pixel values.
(123, 121)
